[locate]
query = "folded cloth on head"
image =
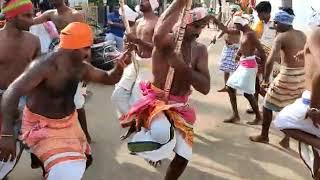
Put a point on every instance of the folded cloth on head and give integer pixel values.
(76, 35)
(196, 14)
(154, 4)
(240, 20)
(15, 7)
(283, 17)
(131, 15)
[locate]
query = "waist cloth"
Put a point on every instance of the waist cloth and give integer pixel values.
(285, 88)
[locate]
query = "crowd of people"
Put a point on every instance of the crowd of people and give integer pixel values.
(41, 88)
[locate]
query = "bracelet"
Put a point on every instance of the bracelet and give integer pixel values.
(6, 135)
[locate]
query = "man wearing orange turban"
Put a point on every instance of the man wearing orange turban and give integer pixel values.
(49, 126)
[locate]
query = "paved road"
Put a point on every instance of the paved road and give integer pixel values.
(221, 151)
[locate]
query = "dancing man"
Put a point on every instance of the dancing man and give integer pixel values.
(244, 78)
(167, 127)
(127, 91)
(301, 119)
(289, 83)
(49, 125)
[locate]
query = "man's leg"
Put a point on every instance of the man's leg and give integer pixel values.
(176, 168)
(285, 142)
(316, 165)
(256, 94)
(233, 101)
(303, 136)
(83, 122)
(255, 107)
(267, 119)
(226, 77)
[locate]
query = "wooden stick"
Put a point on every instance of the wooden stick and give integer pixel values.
(179, 39)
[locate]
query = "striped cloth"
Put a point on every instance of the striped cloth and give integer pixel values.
(285, 89)
(227, 62)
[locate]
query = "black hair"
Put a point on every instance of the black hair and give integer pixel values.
(263, 6)
(288, 10)
(45, 5)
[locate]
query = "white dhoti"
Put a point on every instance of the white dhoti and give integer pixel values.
(79, 99)
(244, 78)
(127, 91)
(161, 134)
(294, 117)
(70, 170)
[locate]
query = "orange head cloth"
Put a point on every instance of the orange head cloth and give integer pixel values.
(76, 35)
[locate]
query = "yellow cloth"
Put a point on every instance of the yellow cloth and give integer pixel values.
(258, 28)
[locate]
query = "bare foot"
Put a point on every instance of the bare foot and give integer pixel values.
(233, 119)
(285, 143)
(131, 130)
(223, 90)
(255, 122)
(154, 164)
(250, 111)
(259, 139)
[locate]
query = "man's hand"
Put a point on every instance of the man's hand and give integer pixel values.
(124, 59)
(132, 38)
(314, 115)
(299, 55)
(7, 149)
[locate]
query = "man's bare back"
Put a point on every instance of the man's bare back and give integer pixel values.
(249, 43)
(15, 54)
(291, 42)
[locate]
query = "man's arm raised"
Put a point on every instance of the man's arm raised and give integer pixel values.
(224, 28)
(44, 17)
(166, 23)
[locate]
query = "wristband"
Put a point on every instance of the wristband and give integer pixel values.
(6, 135)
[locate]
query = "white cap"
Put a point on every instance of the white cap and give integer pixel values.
(131, 15)
(240, 20)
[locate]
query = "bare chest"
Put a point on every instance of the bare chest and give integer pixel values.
(14, 52)
(145, 31)
(61, 21)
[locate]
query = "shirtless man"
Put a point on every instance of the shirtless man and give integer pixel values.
(289, 83)
(127, 90)
(167, 127)
(244, 78)
(49, 126)
(228, 56)
(61, 17)
(301, 120)
(18, 48)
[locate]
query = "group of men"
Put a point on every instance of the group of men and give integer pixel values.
(158, 115)
(294, 90)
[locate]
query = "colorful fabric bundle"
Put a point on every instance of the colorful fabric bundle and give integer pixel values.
(15, 7)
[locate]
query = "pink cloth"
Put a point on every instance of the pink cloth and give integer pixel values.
(249, 63)
(151, 98)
